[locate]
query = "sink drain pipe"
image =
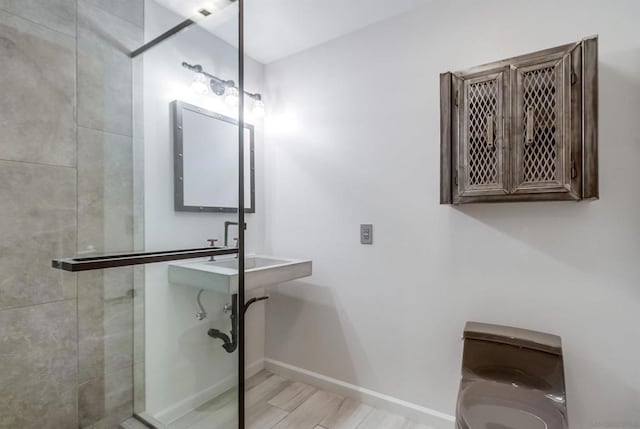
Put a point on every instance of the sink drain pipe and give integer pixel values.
(230, 342)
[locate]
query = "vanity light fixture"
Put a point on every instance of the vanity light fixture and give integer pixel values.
(258, 107)
(231, 97)
(203, 82)
(200, 84)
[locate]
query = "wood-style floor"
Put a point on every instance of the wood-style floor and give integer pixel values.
(273, 402)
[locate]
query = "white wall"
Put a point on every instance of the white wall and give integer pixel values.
(352, 137)
(181, 360)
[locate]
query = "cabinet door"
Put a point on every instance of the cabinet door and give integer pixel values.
(542, 128)
(481, 162)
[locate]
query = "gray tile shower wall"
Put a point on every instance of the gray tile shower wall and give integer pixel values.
(105, 191)
(58, 15)
(38, 81)
(132, 11)
(37, 221)
(38, 377)
(66, 185)
(104, 69)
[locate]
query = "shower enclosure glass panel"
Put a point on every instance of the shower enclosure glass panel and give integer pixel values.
(148, 344)
(186, 339)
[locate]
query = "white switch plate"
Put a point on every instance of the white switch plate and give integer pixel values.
(366, 233)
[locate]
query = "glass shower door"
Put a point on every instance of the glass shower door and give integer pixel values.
(166, 271)
(191, 146)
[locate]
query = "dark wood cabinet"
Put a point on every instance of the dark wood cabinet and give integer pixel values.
(522, 129)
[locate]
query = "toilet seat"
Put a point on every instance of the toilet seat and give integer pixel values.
(487, 404)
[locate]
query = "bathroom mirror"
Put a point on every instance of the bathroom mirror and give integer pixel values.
(205, 150)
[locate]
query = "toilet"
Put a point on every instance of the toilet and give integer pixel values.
(511, 379)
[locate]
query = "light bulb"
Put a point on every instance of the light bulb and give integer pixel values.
(231, 97)
(200, 84)
(258, 109)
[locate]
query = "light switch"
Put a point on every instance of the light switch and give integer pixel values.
(366, 233)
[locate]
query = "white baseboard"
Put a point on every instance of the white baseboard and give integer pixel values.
(175, 411)
(418, 413)
(148, 418)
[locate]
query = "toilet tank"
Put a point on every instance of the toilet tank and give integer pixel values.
(511, 355)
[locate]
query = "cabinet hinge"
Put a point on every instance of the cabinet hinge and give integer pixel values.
(574, 170)
(574, 78)
(455, 178)
(456, 98)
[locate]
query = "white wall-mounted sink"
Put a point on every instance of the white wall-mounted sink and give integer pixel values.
(222, 275)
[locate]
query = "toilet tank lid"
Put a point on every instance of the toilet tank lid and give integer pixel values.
(513, 336)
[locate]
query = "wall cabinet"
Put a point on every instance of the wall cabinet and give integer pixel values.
(522, 129)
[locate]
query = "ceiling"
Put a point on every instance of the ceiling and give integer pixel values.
(275, 29)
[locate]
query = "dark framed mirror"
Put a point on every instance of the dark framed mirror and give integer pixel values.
(205, 153)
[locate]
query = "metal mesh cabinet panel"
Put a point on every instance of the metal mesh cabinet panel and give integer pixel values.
(482, 169)
(541, 138)
(482, 153)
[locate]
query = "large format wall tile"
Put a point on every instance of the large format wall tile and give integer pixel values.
(59, 15)
(105, 297)
(105, 191)
(129, 10)
(105, 325)
(107, 401)
(37, 224)
(105, 347)
(65, 363)
(104, 69)
(38, 93)
(90, 326)
(38, 361)
(138, 339)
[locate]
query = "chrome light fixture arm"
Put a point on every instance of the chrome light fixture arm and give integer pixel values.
(218, 85)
